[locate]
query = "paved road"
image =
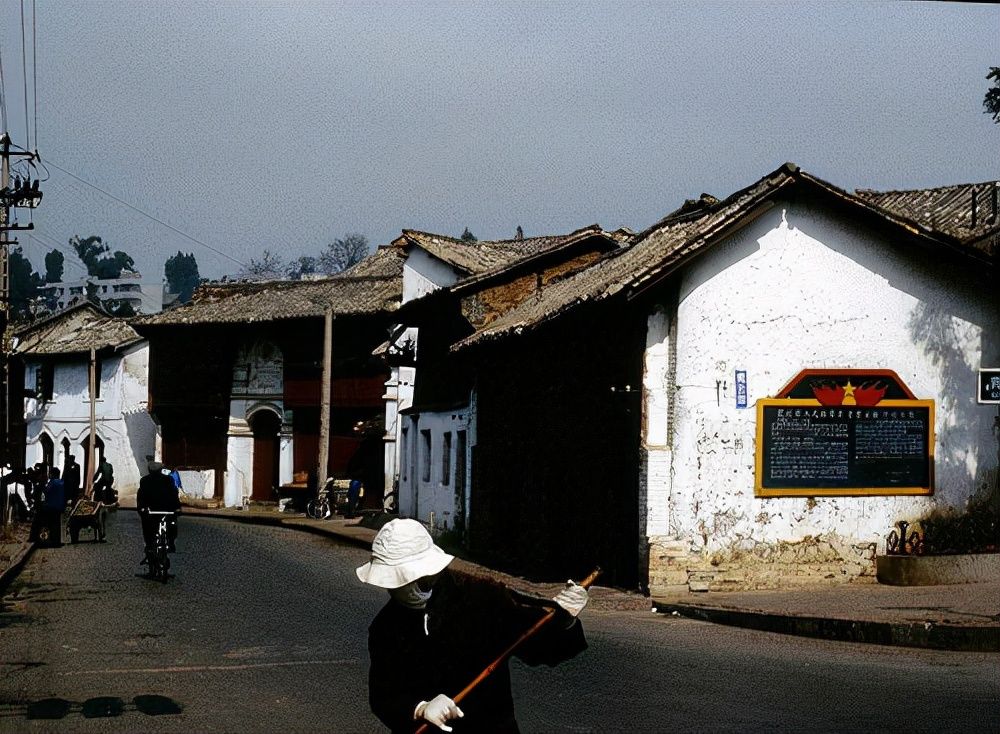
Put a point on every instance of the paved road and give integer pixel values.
(228, 646)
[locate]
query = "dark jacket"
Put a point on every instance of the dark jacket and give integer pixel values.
(468, 625)
(157, 492)
(55, 495)
(71, 478)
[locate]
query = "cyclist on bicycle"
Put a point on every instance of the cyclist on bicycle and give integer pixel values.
(157, 492)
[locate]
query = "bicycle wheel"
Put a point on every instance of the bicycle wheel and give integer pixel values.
(311, 509)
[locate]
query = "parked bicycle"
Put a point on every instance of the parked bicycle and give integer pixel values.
(158, 558)
(320, 507)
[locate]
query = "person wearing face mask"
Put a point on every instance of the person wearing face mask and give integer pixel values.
(439, 630)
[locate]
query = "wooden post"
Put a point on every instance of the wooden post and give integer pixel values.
(324, 410)
(88, 491)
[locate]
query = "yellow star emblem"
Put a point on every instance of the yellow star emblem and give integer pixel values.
(849, 394)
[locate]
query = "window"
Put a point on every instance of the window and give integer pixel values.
(44, 377)
(425, 455)
(446, 459)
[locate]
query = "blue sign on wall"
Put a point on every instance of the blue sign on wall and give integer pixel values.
(741, 388)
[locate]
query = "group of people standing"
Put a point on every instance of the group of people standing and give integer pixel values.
(44, 493)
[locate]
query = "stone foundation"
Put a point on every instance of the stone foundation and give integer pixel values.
(675, 566)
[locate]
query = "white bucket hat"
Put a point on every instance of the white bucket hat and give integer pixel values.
(402, 552)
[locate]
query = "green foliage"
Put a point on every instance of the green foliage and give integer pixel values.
(991, 102)
(54, 266)
(94, 253)
(24, 282)
(304, 265)
(977, 530)
(467, 236)
(181, 273)
(121, 309)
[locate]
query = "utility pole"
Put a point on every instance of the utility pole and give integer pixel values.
(324, 410)
(23, 194)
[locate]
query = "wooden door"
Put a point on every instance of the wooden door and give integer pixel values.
(265, 426)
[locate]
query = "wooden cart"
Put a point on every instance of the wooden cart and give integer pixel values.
(87, 514)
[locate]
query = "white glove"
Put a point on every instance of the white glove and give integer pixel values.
(437, 711)
(572, 599)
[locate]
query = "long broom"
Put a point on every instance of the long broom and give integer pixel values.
(586, 583)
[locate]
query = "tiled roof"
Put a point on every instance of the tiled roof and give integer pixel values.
(74, 331)
(670, 242)
(372, 286)
(474, 258)
(966, 212)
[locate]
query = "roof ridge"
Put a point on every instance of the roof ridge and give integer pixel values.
(886, 192)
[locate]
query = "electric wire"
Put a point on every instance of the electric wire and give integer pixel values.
(24, 75)
(3, 96)
(42, 241)
(34, 68)
(145, 214)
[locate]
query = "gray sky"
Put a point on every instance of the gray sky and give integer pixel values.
(286, 124)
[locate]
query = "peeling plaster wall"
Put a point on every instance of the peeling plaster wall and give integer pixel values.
(121, 420)
(798, 289)
(654, 484)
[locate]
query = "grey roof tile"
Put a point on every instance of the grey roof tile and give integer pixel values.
(76, 330)
(372, 286)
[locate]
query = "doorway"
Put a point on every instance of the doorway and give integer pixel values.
(48, 450)
(265, 426)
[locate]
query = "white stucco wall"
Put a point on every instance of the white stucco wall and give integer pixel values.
(122, 422)
(398, 396)
(799, 289)
(423, 273)
(433, 501)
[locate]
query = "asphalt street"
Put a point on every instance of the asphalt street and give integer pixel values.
(263, 629)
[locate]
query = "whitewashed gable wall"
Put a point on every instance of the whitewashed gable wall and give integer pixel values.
(800, 289)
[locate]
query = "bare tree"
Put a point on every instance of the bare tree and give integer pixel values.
(342, 253)
(269, 267)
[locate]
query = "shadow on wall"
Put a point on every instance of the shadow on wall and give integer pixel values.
(141, 438)
(965, 465)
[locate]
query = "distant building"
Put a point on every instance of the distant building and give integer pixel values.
(142, 295)
(53, 356)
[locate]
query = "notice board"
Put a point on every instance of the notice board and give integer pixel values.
(823, 446)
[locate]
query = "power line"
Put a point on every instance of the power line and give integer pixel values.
(34, 69)
(40, 240)
(136, 209)
(3, 95)
(24, 75)
(37, 240)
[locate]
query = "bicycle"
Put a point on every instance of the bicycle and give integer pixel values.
(318, 508)
(158, 558)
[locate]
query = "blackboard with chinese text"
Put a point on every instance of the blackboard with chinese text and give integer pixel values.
(804, 448)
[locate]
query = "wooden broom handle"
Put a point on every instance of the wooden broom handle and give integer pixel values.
(586, 583)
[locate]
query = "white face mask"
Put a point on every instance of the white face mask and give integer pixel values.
(410, 596)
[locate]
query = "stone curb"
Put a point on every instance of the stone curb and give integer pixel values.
(17, 563)
(903, 634)
(295, 523)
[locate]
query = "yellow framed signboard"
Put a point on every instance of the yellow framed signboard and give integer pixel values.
(808, 448)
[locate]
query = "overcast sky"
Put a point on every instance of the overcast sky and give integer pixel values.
(283, 125)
